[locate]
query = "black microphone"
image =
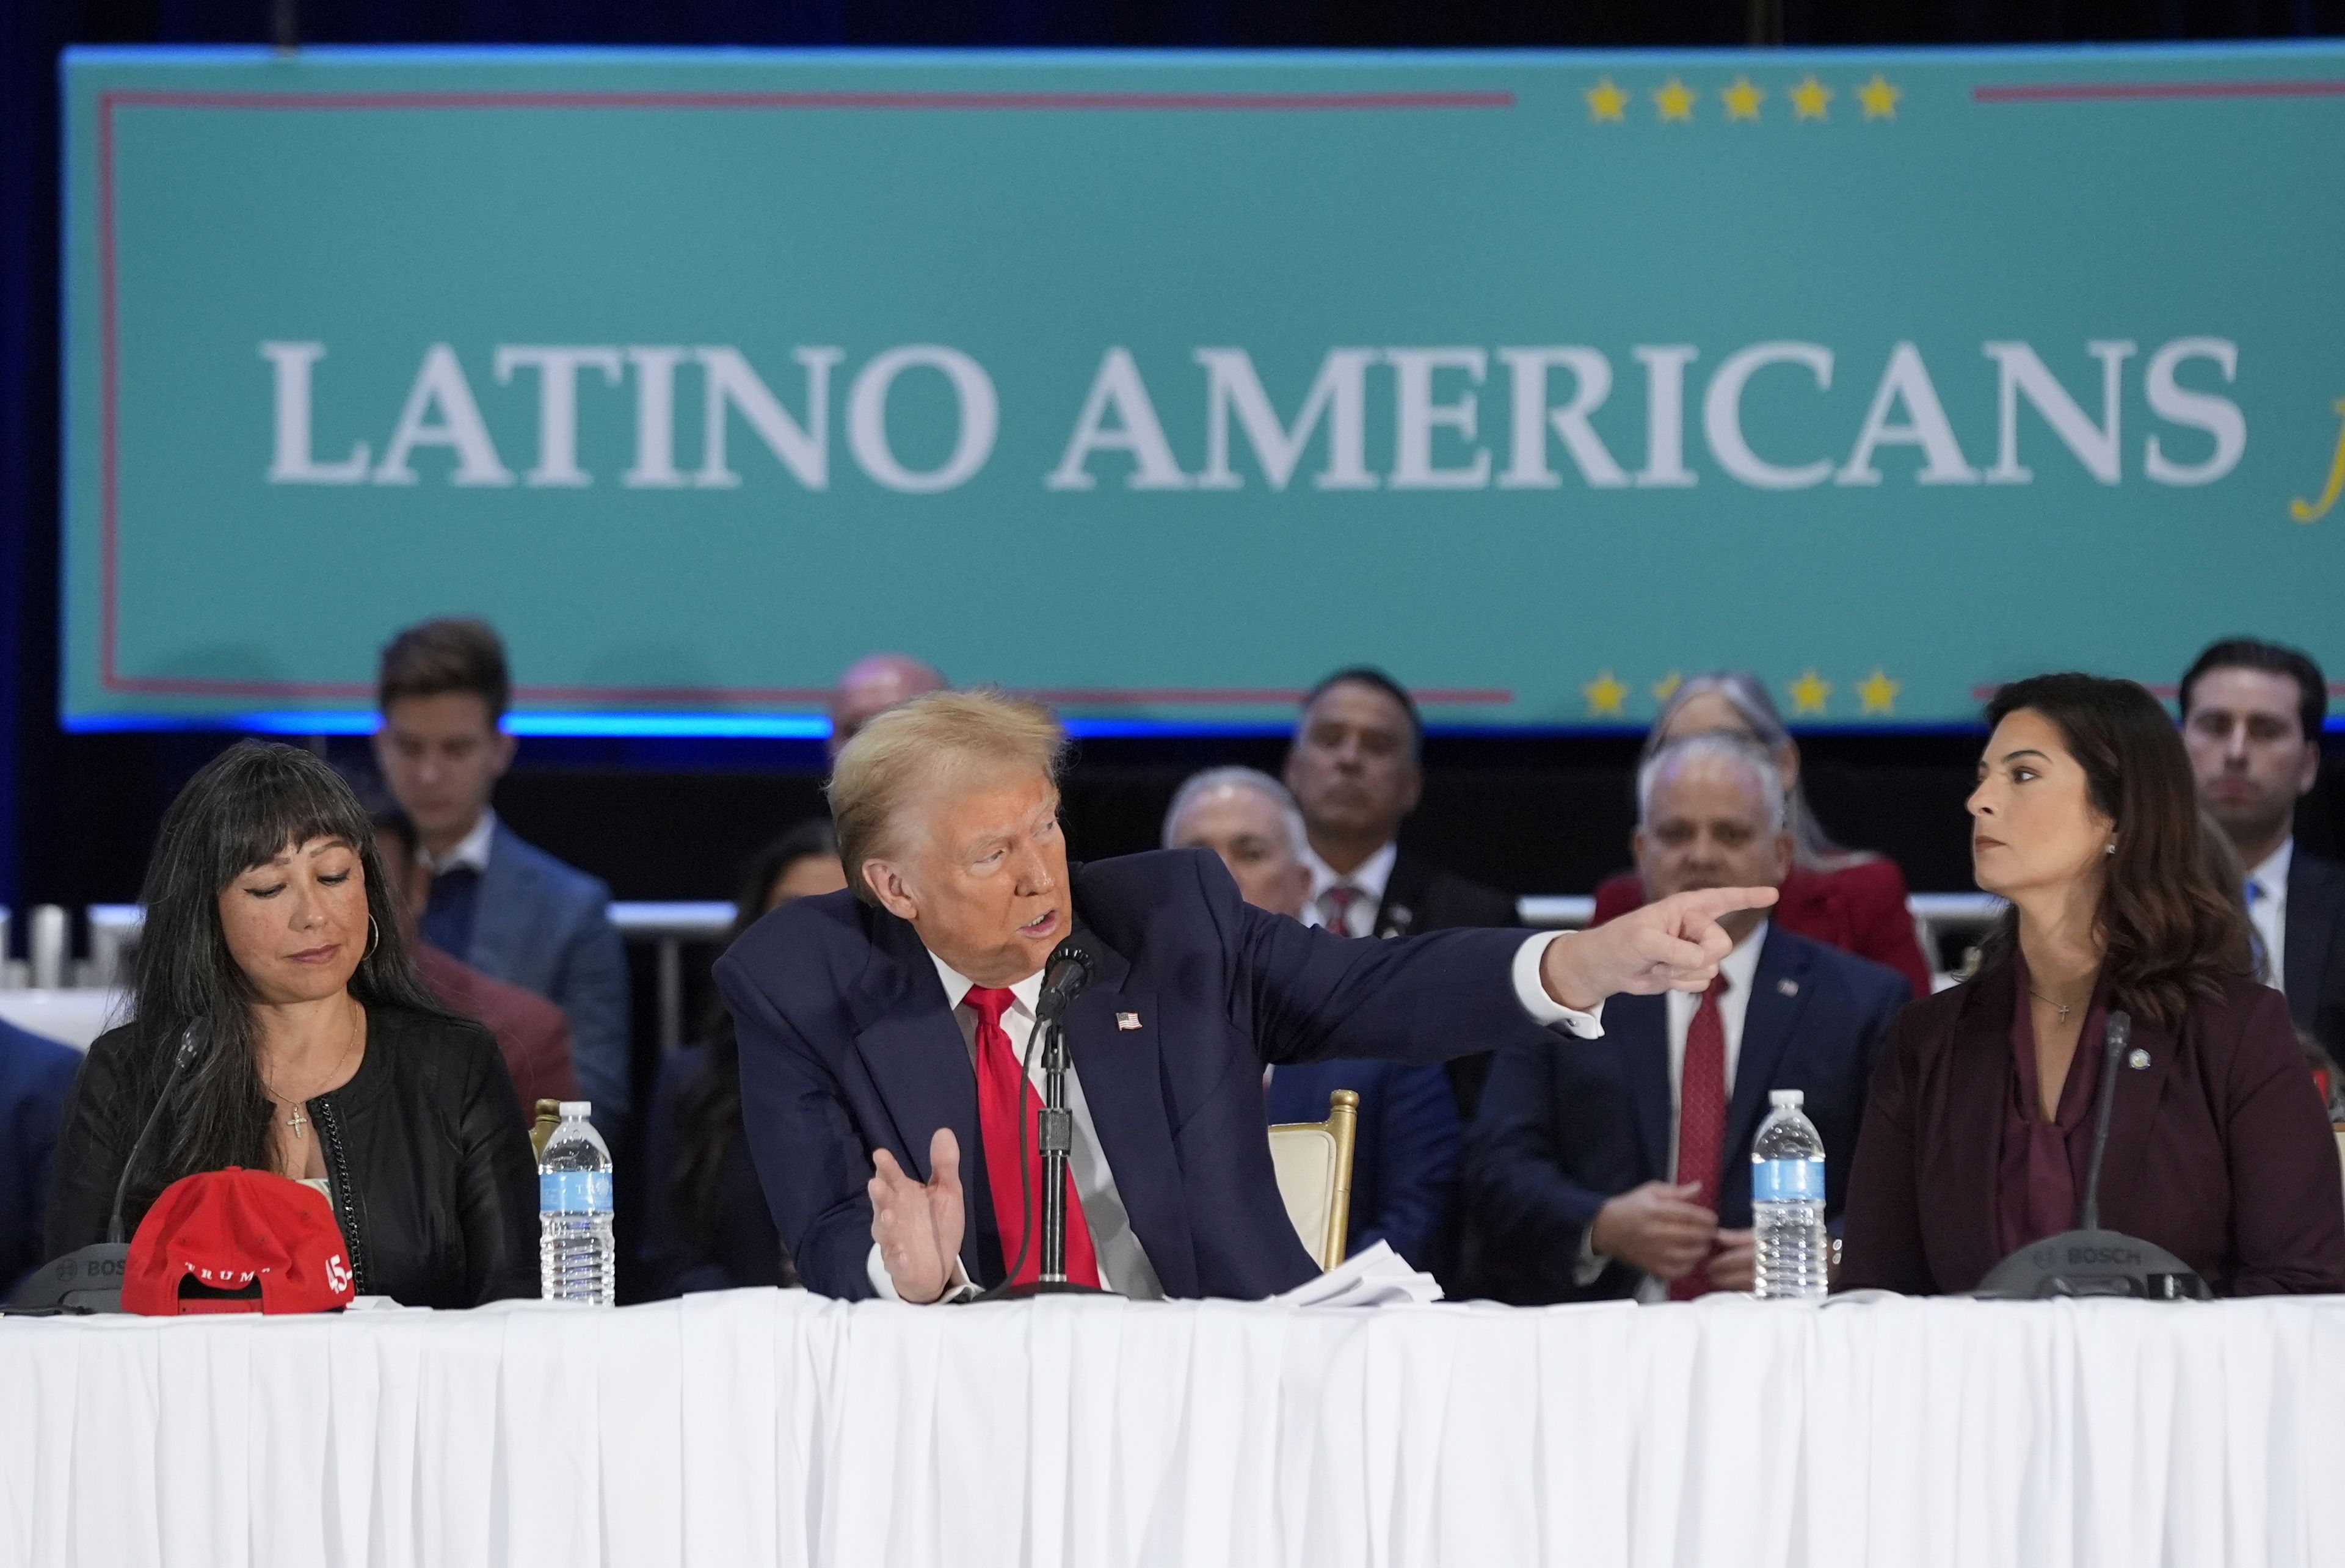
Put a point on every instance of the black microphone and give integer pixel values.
(1069, 972)
(2120, 1031)
(191, 1045)
(89, 1278)
(2089, 1261)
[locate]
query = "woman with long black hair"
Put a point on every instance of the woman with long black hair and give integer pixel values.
(271, 932)
(709, 1226)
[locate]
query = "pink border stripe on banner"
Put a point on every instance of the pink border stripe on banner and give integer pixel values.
(2137, 92)
(110, 675)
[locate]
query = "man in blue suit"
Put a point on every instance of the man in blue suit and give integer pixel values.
(1404, 1160)
(1621, 1167)
(500, 904)
(883, 1029)
(36, 1073)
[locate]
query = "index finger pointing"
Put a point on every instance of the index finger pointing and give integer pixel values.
(1707, 903)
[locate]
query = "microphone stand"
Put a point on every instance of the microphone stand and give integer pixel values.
(89, 1278)
(1055, 1135)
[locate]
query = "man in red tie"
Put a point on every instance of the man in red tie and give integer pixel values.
(884, 1029)
(1622, 1166)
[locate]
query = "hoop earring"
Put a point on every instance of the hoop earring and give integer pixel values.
(2110, 848)
(374, 939)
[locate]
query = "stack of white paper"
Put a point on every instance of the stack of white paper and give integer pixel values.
(1378, 1276)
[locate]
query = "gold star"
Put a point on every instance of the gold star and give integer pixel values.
(1879, 692)
(1742, 99)
(1809, 98)
(1880, 99)
(1809, 693)
(1675, 98)
(1606, 101)
(1605, 695)
(1667, 686)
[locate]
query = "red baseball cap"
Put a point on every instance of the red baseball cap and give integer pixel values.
(237, 1231)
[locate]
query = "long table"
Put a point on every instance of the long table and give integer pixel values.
(761, 1427)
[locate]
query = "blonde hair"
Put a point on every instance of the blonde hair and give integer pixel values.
(915, 743)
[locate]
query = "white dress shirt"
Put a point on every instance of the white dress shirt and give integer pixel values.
(472, 851)
(2267, 908)
(1740, 969)
(1122, 1263)
(1374, 872)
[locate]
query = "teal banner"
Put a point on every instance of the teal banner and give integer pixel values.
(1160, 386)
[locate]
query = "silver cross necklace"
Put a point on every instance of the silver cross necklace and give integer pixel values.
(298, 1122)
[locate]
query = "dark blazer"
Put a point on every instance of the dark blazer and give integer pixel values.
(847, 1046)
(37, 1074)
(675, 1258)
(1568, 1125)
(2315, 949)
(1420, 895)
(2220, 1151)
(1405, 1161)
(546, 927)
(435, 1186)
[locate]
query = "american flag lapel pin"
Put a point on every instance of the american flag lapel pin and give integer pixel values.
(1127, 1020)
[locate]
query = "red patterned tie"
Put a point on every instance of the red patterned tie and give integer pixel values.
(1005, 1102)
(1702, 1117)
(1337, 903)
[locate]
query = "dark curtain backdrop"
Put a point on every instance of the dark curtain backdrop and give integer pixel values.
(671, 819)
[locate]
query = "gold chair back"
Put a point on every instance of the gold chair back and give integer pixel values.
(1313, 1161)
(547, 1123)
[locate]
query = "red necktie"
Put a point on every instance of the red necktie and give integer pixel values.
(1702, 1116)
(1005, 1102)
(1338, 901)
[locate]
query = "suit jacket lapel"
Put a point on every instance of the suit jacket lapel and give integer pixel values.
(2135, 1106)
(2314, 895)
(1643, 1027)
(1400, 909)
(1124, 1090)
(1978, 1094)
(499, 890)
(1770, 1022)
(905, 1034)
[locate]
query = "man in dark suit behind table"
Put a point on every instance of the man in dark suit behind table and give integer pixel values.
(882, 1028)
(2252, 715)
(1621, 1167)
(1356, 768)
(1404, 1158)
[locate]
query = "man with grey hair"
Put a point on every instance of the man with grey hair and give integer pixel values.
(1405, 1164)
(1619, 1166)
(885, 1030)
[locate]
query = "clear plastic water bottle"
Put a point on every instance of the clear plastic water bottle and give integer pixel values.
(578, 1257)
(1786, 1204)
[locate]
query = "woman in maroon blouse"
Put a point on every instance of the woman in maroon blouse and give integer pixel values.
(1980, 1126)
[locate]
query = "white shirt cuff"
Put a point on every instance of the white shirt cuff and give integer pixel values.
(1591, 1264)
(1531, 991)
(876, 1273)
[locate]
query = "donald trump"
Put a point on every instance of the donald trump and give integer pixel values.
(883, 1028)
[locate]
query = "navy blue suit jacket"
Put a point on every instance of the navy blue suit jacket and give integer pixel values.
(847, 1045)
(1566, 1124)
(36, 1073)
(546, 927)
(1404, 1160)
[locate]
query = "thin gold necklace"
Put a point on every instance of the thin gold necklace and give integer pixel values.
(298, 1122)
(2055, 1006)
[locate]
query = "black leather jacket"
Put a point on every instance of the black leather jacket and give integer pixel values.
(425, 1149)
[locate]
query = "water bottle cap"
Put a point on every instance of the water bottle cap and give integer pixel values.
(579, 1108)
(1780, 1098)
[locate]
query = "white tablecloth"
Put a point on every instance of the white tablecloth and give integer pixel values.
(757, 1427)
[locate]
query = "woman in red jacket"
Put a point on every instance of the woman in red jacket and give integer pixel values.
(1848, 899)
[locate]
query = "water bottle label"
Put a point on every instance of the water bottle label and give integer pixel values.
(1787, 1180)
(574, 1192)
